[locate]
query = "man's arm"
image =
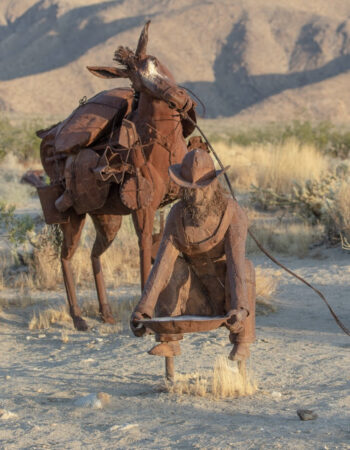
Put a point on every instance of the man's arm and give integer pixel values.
(160, 274)
(235, 240)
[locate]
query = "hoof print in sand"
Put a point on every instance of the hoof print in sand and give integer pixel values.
(306, 414)
(96, 401)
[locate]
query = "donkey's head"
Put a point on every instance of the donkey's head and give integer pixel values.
(146, 73)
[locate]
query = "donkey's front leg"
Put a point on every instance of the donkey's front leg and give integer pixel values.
(143, 222)
(107, 227)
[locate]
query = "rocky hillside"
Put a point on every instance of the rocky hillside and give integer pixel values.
(248, 59)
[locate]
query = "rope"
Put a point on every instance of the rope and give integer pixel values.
(273, 259)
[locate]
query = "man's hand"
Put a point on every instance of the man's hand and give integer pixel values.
(236, 321)
(136, 327)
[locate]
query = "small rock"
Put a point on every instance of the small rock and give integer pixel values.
(97, 401)
(6, 415)
(276, 395)
(306, 414)
(40, 336)
(88, 360)
(28, 338)
(125, 427)
(7, 377)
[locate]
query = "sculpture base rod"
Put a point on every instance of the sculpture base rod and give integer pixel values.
(169, 369)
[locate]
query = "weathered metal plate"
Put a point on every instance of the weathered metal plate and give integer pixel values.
(88, 193)
(48, 195)
(136, 193)
(184, 324)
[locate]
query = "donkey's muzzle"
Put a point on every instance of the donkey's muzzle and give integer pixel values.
(177, 99)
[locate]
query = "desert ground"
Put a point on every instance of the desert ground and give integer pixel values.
(100, 389)
(274, 78)
(300, 361)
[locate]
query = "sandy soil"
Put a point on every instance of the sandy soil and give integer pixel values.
(300, 360)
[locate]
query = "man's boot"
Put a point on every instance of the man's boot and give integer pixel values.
(166, 349)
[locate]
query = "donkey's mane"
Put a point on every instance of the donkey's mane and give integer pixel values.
(125, 57)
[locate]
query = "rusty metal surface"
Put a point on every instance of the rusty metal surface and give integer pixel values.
(142, 143)
(48, 195)
(136, 192)
(88, 193)
(184, 324)
(86, 124)
(127, 134)
(201, 279)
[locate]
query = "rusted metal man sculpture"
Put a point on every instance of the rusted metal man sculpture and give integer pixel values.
(201, 268)
(111, 158)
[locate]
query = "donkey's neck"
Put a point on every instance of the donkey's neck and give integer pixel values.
(160, 131)
(155, 114)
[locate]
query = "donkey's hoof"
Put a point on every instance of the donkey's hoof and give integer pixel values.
(80, 324)
(108, 319)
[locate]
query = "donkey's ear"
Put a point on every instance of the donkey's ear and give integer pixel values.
(143, 40)
(107, 72)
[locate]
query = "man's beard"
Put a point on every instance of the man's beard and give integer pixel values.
(199, 212)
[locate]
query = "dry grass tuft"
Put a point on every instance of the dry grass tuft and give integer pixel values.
(266, 286)
(44, 319)
(225, 381)
(293, 239)
(273, 166)
(64, 336)
(120, 263)
(121, 309)
(340, 213)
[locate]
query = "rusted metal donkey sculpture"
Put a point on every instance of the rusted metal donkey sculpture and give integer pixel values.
(121, 169)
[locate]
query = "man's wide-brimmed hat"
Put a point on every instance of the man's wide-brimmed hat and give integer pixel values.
(197, 170)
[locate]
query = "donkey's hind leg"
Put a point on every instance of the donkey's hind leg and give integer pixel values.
(71, 235)
(107, 226)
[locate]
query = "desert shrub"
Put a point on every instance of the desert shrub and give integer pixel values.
(16, 228)
(324, 136)
(20, 139)
(323, 203)
(308, 200)
(294, 239)
(339, 214)
(273, 167)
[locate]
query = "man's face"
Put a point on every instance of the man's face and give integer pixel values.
(199, 197)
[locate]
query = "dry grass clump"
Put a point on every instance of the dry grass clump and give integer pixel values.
(64, 337)
(22, 299)
(273, 166)
(225, 381)
(339, 211)
(42, 269)
(44, 319)
(266, 286)
(120, 263)
(12, 191)
(45, 268)
(121, 309)
(292, 239)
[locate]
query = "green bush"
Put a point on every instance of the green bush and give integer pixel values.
(315, 201)
(20, 139)
(324, 136)
(16, 228)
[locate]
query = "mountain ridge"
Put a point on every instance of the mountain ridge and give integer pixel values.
(249, 62)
